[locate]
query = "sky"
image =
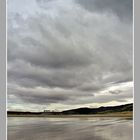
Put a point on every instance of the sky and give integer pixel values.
(65, 54)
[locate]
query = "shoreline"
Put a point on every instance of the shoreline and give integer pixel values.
(130, 115)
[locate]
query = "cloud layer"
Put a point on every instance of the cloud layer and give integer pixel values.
(69, 52)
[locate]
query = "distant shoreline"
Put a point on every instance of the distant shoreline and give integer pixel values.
(118, 114)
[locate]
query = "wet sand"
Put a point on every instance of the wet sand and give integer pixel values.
(74, 128)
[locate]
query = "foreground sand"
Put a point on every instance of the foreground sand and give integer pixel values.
(75, 128)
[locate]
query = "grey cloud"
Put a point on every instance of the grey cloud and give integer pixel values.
(122, 8)
(68, 97)
(47, 96)
(68, 47)
(68, 57)
(27, 75)
(55, 55)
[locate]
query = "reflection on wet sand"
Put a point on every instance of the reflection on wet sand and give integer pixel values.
(69, 128)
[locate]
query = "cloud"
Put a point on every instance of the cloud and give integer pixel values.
(123, 9)
(70, 50)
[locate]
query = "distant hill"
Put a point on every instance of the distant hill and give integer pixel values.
(100, 110)
(80, 111)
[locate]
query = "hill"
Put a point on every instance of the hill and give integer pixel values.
(100, 110)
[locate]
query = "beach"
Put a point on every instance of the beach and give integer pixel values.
(70, 128)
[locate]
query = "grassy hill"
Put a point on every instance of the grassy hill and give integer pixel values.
(100, 110)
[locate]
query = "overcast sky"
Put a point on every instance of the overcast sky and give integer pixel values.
(65, 54)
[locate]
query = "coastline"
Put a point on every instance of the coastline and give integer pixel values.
(120, 114)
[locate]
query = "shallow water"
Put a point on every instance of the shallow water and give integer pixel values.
(100, 128)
